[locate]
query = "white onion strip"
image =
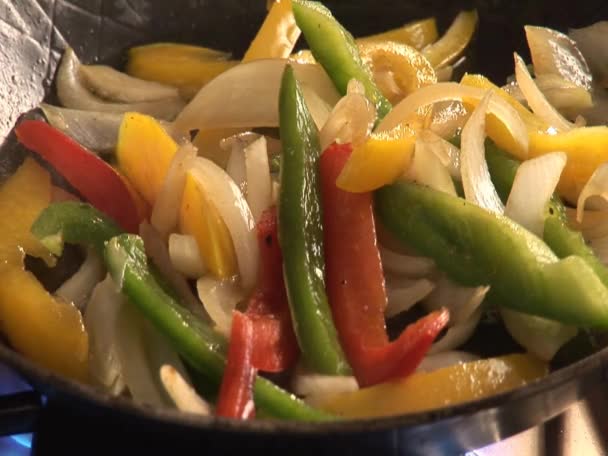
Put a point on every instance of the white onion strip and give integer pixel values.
(533, 186)
(599, 246)
(403, 298)
(426, 167)
(447, 153)
(247, 95)
(535, 98)
(73, 94)
(182, 394)
(259, 191)
(462, 302)
(597, 185)
(305, 383)
(219, 297)
(476, 180)
(445, 359)
(185, 255)
(594, 224)
(450, 91)
(78, 288)
(234, 210)
(166, 207)
(409, 266)
(592, 42)
(457, 334)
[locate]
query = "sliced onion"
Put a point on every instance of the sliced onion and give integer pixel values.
(444, 73)
(447, 153)
(156, 249)
(166, 207)
(448, 118)
(539, 336)
(426, 168)
(457, 334)
(112, 84)
(100, 322)
(305, 383)
(276, 188)
(403, 298)
(234, 210)
(182, 394)
(594, 224)
(97, 131)
(235, 167)
(535, 98)
(555, 53)
(351, 120)
(78, 288)
(451, 91)
(476, 180)
(533, 186)
(407, 265)
(73, 94)
(592, 43)
(219, 297)
(185, 256)
(259, 191)
(247, 95)
(319, 108)
(596, 186)
(462, 302)
(445, 359)
(600, 248)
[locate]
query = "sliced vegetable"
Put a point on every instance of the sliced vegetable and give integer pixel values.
(417, 34)
(427, 391)
(408, 265)
(185, 257)
(219, 297)
(182, 393)
(454, 41)
(595, 187)
(257, 169)
(300, 233)
(97, 181)
(334, 48)
(403, 298)
(590, 40)
(78, 288)
(306, 384)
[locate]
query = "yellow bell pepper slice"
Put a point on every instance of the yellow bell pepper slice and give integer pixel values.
(441, 388)
(409, 68)
(277, 36)
(454, 41)
(378, 161)
(417, 34)
(144, 154)
(47, 330)
(183, 66)
(210, 231)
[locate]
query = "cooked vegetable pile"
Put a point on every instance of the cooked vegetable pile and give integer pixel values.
(249, 227)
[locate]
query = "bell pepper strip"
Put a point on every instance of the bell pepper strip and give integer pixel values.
(192, 338)
(455, 40)
(355, 283)
(475, 247)
(301, 233)
(236, 392)
(445, 387)
(47, 330)
(335, 49)
(93, 178)
(563, 240)
(275, 345)
(417, 34)
(378, 161)
(144, 154)
(277, 36)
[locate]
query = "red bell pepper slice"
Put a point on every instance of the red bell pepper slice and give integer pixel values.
(275, 345)
(355, 283)
(94, 179)
(236, 392)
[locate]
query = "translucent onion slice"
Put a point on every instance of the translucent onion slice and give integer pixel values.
(185, 256)
(219, 297)
(596, 186)
(535, 98)
(407, 265)
(451, 91)
(236, 166)
(555, 53)
(448, 118)
(73, 94)
(476, 180)
(462, 302)
(406, 295)
(100, 322)
(166, 207)
(600, 248)
(592, 43)
(259, 190)
(539, 336)
(319, 109)
(447, 153)
(457, 335)
(351, 120)
(305, 383)
(445, 359)
(234, 210)
(182, 393)
(533, 186)
(247, 95)
(426, 168)
(114, 85)
(594, 224)
(78, 288)
(97, 131)
(444, 74)
(156, 248)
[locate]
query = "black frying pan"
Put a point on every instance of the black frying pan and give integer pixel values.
(74, 418)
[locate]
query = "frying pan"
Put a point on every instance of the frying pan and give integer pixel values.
(80, 420)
